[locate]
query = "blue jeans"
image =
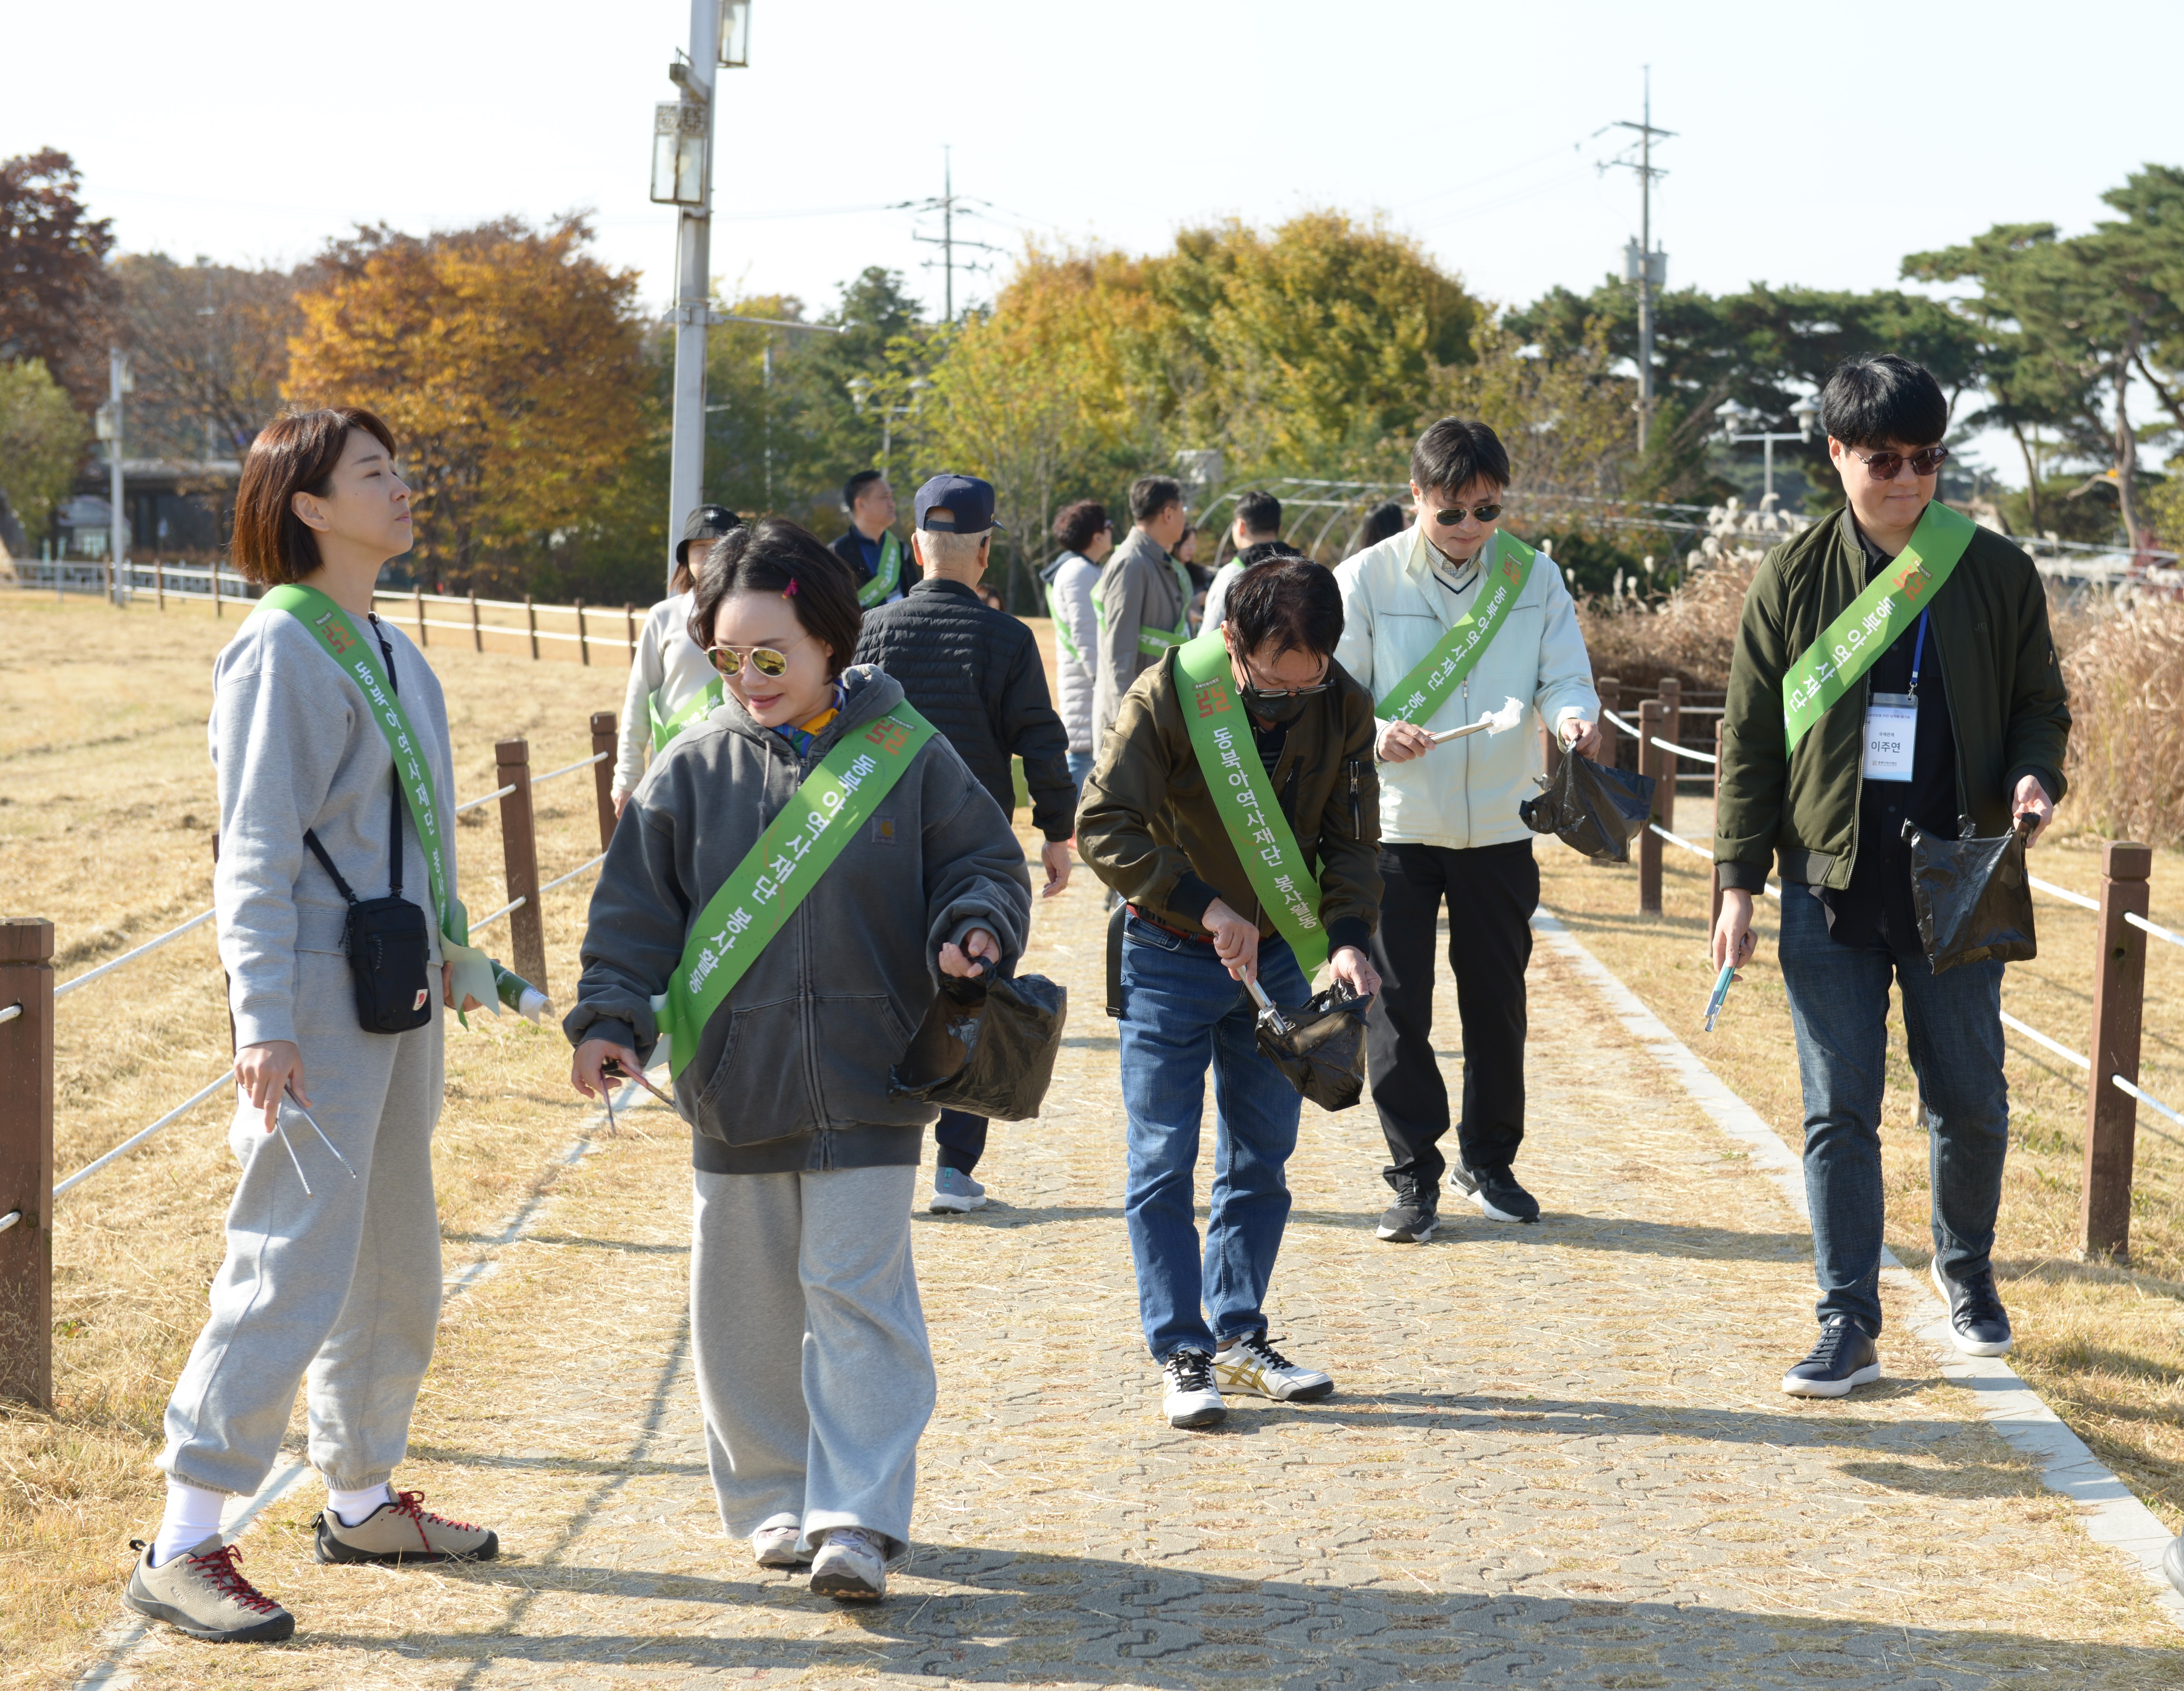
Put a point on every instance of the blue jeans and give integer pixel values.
(1080, 768)
(1181, 1009)
(1952, 1024)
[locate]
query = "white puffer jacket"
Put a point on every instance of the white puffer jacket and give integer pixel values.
(1399, 599)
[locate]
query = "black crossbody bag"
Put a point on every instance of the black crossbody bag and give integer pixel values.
(390, 950)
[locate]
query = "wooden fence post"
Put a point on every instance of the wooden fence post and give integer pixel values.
(1611, 698)
(519, 846)
(26, 1159)
(1672, 730)
(2119, 999)
(531, 615)
(417, 594)
(1713, 913)
(583, 641)
(629, 625)
(605, 739)
(477, 634)
(1651, 757)
(159, 582)
(214, 573)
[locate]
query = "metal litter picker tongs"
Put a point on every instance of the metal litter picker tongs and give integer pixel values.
(288, 1102)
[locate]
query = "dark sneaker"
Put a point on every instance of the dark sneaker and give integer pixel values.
(2172, 1563)
(1977, 1321)
(201, 1592)
(403, 1531)
(1845, 1357)
(1412, 1218)
(1496, 1193)
(1192, 1400)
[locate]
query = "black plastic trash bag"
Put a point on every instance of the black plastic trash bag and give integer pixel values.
(1320, 1046)
(1591, 807)
(986, 1049)
(1974, 902)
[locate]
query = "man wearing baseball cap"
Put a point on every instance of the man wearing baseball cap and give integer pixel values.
(975, 673)
(672, 683)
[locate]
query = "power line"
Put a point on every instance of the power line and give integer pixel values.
(1641, 262)
(948, 241)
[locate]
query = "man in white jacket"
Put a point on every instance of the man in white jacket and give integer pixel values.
(1449, 828)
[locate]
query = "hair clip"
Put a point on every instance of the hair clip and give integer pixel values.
(789, 591)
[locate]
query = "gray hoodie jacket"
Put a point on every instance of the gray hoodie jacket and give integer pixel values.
(791, 1071)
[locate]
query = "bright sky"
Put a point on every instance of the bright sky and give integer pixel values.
(1813, 146)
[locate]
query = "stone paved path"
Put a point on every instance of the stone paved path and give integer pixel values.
(1557, 1455)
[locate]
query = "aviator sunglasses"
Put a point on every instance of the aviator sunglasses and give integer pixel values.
(1455, 513)
(769, 661)
(1882, 466)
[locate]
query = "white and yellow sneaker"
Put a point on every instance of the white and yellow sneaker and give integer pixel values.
(1250, 1364)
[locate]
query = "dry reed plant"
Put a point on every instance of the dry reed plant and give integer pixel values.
(107, 812)
(1692, 634)
(2104, 1344)
(2125, 667)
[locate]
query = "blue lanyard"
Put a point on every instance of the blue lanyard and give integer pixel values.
(1918, 653)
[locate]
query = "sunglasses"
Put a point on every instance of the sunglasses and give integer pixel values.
(1882, 466)
(768, 660)
(1455, 513)
(1254, 694)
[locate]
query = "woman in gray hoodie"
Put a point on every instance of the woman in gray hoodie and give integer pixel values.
(813, 1367)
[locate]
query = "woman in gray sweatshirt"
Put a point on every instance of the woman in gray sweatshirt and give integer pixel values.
(332, 1271)
(813, 1366)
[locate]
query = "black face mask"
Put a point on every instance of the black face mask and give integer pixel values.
(1275, 708)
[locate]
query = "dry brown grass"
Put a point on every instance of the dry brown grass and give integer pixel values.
(106, 817)
(1691, 637)
(2125, 670)
(2104, 1345)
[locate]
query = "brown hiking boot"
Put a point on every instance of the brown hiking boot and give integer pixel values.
(201, 1592)
(403, 1531)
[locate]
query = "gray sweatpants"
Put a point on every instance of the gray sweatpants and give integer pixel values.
(341, 1288)
(813, 1367)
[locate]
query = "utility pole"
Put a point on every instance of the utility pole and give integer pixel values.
(946, 241)
(120, 381)
(1643, 263)
(694, 253)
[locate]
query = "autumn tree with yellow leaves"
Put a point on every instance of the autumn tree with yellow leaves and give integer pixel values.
(509, 364)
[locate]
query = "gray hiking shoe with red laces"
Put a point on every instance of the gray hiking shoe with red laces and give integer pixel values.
(403, 1531)
(201, 1592)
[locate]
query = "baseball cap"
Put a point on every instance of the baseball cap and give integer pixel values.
(707, 522)
(966, 504)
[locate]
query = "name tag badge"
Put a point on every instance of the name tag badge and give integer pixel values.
(1891, 730)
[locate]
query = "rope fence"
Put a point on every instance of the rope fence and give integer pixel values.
(29, 996)
(2113, 1091)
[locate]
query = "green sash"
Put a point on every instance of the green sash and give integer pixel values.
(705, 703)
(884, 579)
(1441, 674)
(1221, 736)
(359, 659)
(1062, 642)
(1152, 642)
(798, 847)
(1848, 647)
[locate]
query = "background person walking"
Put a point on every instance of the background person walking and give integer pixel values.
(1954, 718)
(797, 957)
(1086, 537)
(1257, 534)
(671, 683)
(1443, 632)
(975, 674)
(1143, 597)
(882, 571)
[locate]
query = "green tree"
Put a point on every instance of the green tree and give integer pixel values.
(54, 292)
(42, 441)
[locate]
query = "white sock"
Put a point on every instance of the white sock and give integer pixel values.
(192, 1516)
(350, 1507)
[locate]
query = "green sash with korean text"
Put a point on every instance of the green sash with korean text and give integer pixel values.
(886, 577)
(359, 659)
(1152, 642)
(798, 847)
(1849, 646)
(1439, 676)
(1243, 794)
(665, 729)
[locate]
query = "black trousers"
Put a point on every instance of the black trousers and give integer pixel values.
(1490, 891)
(961, 1138)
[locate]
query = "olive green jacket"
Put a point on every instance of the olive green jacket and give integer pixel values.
(1148, 828)
(2007, 707)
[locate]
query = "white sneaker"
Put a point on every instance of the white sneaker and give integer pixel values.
(1192, 1400)
(955, 1191)
(778, 1544)
(1253, 1365)
(851, 1565)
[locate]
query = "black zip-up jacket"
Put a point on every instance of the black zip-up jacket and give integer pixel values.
(845, 548)
(976, 673)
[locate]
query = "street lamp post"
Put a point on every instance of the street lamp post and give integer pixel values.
(682, 176)
(120, 379)
(860, 396)
(1731, 414)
